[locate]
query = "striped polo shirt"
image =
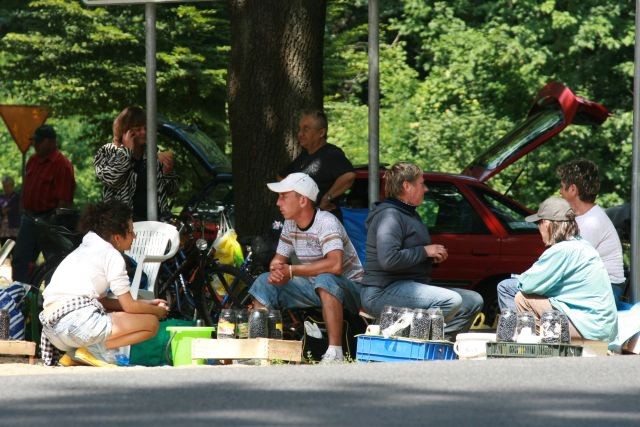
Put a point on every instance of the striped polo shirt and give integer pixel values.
(326, 234)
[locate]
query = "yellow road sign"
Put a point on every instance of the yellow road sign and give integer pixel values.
(22, 121)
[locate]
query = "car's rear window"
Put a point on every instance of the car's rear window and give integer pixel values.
(446, 210)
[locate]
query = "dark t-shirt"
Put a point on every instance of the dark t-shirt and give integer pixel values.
(324, 166)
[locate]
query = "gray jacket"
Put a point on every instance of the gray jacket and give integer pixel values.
(395, 250)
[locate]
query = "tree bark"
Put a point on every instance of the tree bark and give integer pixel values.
(275, 71)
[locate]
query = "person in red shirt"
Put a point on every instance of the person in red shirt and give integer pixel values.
(49, 183)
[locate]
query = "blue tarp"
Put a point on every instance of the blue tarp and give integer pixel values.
(354, 223)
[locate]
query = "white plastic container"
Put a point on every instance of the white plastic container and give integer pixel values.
(473, 345)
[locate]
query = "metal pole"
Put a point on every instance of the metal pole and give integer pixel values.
(374, 103)
(635, 182)
(152, 108)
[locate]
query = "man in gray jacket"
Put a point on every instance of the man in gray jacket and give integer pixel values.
(399, 256)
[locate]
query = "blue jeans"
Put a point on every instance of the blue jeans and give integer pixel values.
(459, 306)
(507, 290)
(301, 292)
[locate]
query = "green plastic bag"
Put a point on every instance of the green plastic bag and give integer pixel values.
(152, 352)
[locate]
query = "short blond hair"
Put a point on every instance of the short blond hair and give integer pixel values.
(396, 175)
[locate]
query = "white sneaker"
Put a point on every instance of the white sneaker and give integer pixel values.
(332, 356)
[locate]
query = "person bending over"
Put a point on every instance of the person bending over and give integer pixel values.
(77, 316)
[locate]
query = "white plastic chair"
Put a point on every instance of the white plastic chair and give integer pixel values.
(6, 249)
(155, 242)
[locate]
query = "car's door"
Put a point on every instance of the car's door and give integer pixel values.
(454, 222)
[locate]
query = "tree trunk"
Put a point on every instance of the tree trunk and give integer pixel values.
(275, 71)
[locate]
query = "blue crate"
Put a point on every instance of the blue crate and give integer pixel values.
(373, 348)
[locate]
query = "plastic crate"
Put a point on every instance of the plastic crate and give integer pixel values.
(373, 348)
(511, 349)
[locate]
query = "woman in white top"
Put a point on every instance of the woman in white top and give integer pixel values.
(77, 316)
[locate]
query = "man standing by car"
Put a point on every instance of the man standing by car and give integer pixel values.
(579, 185)
(324, 162)
(49, 183)
(329, 272)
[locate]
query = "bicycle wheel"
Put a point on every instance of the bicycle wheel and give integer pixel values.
(224, 286)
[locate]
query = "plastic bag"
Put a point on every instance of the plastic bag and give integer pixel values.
(228, 250)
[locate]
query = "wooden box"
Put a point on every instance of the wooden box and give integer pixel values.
(263, 349)
(19, 348)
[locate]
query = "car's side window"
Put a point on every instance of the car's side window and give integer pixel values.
(446, 210)
(509, 214)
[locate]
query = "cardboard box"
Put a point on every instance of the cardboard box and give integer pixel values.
(263, 349)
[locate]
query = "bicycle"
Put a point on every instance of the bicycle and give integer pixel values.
(194, 283)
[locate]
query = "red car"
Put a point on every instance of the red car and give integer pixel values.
(484, 231)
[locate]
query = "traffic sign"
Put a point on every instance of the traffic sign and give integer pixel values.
(22, 121)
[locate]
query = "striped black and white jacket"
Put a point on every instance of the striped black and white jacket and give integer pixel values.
(114, 169)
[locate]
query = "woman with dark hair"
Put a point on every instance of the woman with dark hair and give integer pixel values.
(77, 316)
(121, 165)
(569, 276)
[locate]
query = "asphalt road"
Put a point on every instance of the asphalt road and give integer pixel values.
(522, 392)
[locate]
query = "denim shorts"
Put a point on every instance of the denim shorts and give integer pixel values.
(79, 328)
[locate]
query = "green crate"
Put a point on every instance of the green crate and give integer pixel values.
(512, 349)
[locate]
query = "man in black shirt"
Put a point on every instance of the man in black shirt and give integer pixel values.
(324, 162)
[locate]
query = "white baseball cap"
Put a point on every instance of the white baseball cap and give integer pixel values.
(299, 182)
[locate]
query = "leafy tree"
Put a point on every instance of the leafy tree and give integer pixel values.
(275, 71)
(457, 75)
(86, 64)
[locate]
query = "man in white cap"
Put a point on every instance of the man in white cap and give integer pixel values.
(329, 271)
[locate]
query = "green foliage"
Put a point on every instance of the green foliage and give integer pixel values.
(458, 75)
(86, 64)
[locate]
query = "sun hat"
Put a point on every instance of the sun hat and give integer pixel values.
(554, 209)
(299, 182)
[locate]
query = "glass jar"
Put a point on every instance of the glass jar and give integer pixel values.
(420, 325)
(275, 324)
(437, 324)
(4, 324)
(226, 324)
(565, 330)
(259, 323)
(507, 325)
(388, 317)
(242, 323)
(406, 315)
(550, 327)
(526, 326)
